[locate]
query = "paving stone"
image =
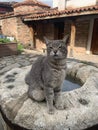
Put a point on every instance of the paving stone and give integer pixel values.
(7, 68)
(2, 66)
(24, 63)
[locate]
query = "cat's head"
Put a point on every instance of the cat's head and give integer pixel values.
(57, 49)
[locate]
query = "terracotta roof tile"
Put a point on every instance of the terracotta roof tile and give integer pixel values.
(63, 12)
(37, 15)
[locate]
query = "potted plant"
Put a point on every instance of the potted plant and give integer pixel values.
(7, 47)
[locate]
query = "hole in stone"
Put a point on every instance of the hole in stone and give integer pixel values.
(9, 80)
(83, 101)
(9, 76)
(15, 73)
(70, 84)
(10, 86)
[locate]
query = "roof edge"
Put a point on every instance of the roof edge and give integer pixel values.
(30, 3)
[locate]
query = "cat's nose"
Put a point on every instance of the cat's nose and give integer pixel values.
(55, 51)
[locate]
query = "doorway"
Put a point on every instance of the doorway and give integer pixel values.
(58, 30)
(94, 46)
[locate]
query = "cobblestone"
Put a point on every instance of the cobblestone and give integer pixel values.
(10, 62)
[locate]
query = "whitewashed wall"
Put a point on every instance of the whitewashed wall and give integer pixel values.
(62, 4)
(79, 3)
(55, 3)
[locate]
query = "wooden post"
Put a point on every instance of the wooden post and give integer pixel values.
(72, 39)
(90, 33)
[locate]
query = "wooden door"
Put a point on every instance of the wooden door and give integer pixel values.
(94, 46)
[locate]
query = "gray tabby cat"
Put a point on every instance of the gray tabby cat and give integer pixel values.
(48, 73)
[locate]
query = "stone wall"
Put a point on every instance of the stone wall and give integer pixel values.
(0, 30)
(23, 8)
(16, 28)
(9, 27)
(23, 32)
(28, 8)
(82, 28)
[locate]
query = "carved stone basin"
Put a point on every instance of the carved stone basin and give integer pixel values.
(81, 105)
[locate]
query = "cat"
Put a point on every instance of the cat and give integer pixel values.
(48, 73)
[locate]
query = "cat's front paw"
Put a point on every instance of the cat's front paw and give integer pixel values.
(59, 106)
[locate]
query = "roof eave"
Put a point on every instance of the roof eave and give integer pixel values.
(61, 16)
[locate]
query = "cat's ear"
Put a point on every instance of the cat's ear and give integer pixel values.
(66, 39)
(46, 40)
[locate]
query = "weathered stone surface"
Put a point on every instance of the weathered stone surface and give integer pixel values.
(9, 67)
(73, 67)
(81, 105)
(81, 71)
(1, 125)
(2, 66)
(86, 71)
(10, 62)
(23, 63)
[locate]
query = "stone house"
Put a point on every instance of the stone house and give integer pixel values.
(12, 23)
(4, 8)
(31, 20)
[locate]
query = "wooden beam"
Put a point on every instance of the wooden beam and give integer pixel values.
(72, 38)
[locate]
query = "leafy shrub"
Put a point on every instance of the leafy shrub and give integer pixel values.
(20, 47)
(4, 40)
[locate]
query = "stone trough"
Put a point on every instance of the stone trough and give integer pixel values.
(81, 105)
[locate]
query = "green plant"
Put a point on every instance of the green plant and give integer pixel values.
(20, 47)
(4, 40)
